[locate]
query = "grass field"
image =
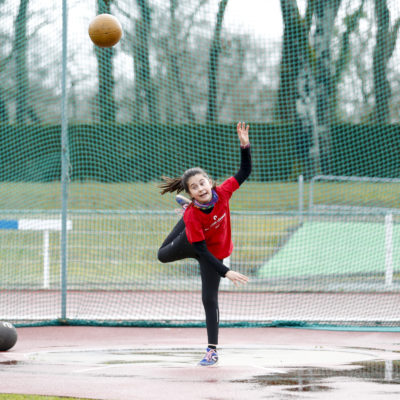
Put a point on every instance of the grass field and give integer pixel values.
(135, 196)
(120, 249)
(117, 228)
(252, 196)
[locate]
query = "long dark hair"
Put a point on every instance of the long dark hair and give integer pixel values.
(180, 184)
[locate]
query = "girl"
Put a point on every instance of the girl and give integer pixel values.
(204, 233)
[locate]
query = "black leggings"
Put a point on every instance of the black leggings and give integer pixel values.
(177, 247)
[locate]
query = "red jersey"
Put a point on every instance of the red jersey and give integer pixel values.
(215, 227)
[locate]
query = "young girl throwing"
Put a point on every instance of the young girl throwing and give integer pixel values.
(204, 233)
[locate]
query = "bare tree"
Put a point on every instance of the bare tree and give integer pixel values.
(144, 90)
(106, 102)
(25, 110)
(386, 38)
(215, 50)
(351, 22)
(3, 108)
(296, 93)
(325, 15)
(3, 63)
(174, 59)
(295, 53)
(307, 94)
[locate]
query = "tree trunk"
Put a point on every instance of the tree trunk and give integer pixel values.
(352, 23)
(106, 100)
(306, 81)
(295, 101)
(212, 111)
(175, 74)
(380, 59)
(3, 108)
(24, 108)
(21, 72)
(325, 15)
(144, 91)
(285, 110)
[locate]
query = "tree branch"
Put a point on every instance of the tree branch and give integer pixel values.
(191, 19)
(393, 38)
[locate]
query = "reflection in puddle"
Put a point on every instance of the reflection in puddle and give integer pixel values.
(9, 362)
(316, 379)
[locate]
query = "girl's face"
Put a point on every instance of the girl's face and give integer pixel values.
(200, 188)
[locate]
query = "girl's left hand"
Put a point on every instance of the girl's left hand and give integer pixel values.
(243, 133)
(236, 277)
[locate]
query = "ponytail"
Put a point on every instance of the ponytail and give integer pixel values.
(180, 184)
(171, 185)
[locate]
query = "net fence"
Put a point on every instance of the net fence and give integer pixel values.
(86, 133)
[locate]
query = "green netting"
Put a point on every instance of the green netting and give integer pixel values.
(86, 134)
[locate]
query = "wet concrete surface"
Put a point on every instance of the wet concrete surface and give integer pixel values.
(281, 364)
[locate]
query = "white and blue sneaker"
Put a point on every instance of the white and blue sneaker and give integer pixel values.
(182, 201)
(210, 359)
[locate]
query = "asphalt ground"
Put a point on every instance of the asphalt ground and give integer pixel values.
(160, 363)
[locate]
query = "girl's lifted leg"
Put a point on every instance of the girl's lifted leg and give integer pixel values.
(176, 246)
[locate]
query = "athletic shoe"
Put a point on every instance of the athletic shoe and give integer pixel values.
(182, 201)
(210, 359)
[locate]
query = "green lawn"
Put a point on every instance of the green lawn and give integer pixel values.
(135, 196)
(117, 228)
(266, 196)
(120, 249)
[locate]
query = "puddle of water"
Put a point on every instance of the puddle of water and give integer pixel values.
(105, 357)
(318, 379)
(265, 357)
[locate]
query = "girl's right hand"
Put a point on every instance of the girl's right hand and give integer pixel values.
(243, 133)
(236, 277)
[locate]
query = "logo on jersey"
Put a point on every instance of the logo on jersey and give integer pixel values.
(217, 222)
